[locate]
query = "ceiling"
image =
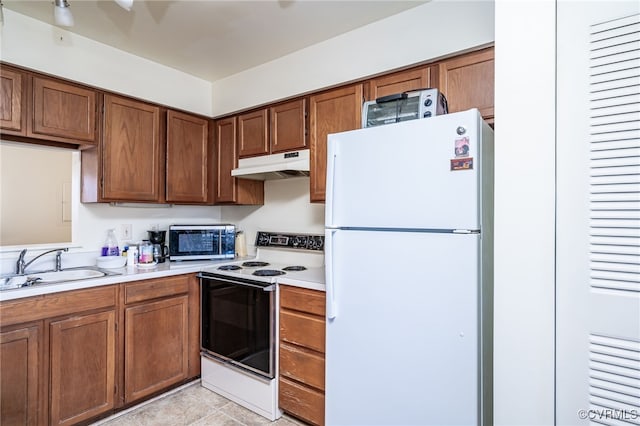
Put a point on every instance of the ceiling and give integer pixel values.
(214, 39)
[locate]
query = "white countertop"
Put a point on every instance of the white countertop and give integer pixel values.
(312, 278)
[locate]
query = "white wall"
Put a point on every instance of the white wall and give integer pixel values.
(286, 209)
(524, 213)
(33, 44)
(420, 34)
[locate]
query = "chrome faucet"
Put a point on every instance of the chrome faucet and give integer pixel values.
(21, 266)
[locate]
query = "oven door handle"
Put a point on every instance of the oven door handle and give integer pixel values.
(271, 287)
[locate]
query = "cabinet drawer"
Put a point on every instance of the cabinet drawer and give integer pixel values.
(52, 305)
(301, 401)
(153, 289)
(303, 330)
(302, 299)
(302, 365)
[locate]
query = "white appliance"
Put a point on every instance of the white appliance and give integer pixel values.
(239, 321)
(408, 254)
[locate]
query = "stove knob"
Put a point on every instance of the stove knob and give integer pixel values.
(428, 102)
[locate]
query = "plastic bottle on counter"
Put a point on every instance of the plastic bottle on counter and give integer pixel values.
(132, 256)
(110, 246)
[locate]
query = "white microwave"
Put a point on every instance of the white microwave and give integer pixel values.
(404, 106)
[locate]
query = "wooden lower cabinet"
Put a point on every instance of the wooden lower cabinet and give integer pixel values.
(156, 346)
(20, 372)
(74, 356)
(302, 348)
(82, 371)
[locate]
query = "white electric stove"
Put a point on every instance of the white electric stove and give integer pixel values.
(239, 305)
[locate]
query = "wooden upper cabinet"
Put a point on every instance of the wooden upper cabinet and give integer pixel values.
(228, 189)
(63, 111)
(288, 126)
(279, 128)
(253, 133)
(399, 82)
(189, 159)
(333, 111)
(467, 81)
(12, 101)
(132, 151)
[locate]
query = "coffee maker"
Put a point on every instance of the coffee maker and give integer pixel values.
(160, 249)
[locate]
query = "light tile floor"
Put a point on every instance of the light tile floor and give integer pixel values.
(192, 405)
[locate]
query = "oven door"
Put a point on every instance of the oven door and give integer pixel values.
(238, 323)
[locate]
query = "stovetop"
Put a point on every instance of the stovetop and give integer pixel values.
(278, 255)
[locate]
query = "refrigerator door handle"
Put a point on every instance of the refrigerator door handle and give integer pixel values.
(329, 282)
(331, 167)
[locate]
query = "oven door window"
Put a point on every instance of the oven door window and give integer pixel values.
(237, 326)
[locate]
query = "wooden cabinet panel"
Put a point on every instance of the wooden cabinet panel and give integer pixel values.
(302, 347)
(253, 133)
(12, 101)
(467, 81)
(133, 158)
(35, 308)
(64, 111)
(228, 189)
(156, 346)
(302, 299)
(302, 330)
(301, 401)
(333, 111)
(20, 375)
(226, 160)
(288, 126)
(155, 288)
(82, 374)
(189, 159)
(304, 365)
(399, 82)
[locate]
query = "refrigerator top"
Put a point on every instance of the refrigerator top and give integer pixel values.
(428, 174)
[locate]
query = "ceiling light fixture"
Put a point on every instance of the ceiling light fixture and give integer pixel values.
(62, 13)
(125, 4)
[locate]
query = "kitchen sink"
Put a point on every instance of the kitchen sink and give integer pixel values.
(8, 282)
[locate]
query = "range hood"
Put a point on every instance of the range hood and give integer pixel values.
(274, 166)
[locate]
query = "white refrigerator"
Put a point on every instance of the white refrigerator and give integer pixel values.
(408, 254)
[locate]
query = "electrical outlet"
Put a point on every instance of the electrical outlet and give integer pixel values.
(125, 232)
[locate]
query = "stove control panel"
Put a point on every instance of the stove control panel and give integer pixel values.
(291, 241)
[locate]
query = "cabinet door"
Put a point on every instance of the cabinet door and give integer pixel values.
(288, 126)
(82, 360)
(467, 81)
(62, 111)
(334, 111)
(156, 346)
(132, 160)
(12, 101)
(228, 189)
(188, 159)
(19, 376)
(404, 81)
(253, 133)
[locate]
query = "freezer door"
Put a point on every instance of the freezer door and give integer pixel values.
(402, 347)
(414, 174)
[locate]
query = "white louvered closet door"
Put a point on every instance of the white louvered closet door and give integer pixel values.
(598, 213)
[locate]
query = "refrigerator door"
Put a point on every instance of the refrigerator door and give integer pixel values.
(414, 174)
(402, 347)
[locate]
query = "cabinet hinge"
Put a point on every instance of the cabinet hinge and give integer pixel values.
(116, 326)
